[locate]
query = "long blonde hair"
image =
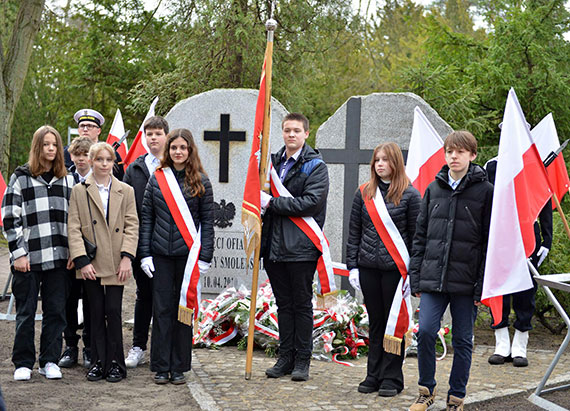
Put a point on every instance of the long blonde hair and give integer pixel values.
(399, 181)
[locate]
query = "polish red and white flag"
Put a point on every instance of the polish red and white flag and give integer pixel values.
(546, 139)
(425, 153)
(116, 132)
(2, 192)
(521, 191)
(139, 146)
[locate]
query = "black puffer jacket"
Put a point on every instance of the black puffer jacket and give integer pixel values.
(364, 248)
(450, 244)
(158, 231)
(308, 183)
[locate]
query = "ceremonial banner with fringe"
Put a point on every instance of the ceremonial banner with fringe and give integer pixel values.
(326, 287)
(251, 206)
(400, 318)
(189, 302)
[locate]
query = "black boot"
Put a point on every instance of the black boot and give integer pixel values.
(69, 357)
(301, 369)
(283, 366)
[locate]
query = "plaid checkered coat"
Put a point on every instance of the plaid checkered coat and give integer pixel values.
(34, 214)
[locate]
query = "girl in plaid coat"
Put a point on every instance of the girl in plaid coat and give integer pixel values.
(34, 211)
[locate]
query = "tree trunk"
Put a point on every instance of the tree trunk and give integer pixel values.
(14, 67)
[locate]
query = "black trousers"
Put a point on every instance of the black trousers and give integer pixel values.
(143, 306)
(378, 288)
(54, 286)
(105, 303)
(523, 304)
(171, 340)
(70, 333)
(292, 284)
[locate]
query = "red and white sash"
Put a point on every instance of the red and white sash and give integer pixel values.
(189, 302)
(309, 226)
(400, 317)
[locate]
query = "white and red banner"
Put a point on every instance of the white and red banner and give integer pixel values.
(116, 132)
(309, 226)
(139, 146)
(251, 205)
(3, 187)
(546, 139)
(400, 317)
(425, 153)
(521, 191)
(189, 302)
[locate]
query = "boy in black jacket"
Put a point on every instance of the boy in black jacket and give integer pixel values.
(448, 262)
(137, 175)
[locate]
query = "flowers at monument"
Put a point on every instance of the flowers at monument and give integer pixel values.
(340, 332)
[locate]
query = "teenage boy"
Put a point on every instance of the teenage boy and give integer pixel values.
(448, 262)
(79, 152)
(289, 256)
(137, 175)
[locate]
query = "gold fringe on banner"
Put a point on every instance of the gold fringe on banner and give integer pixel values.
(185, 315)
(392, 344)
(327, 300)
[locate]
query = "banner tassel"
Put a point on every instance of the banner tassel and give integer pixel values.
(185, 315)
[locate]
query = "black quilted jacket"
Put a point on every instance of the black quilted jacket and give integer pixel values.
(364, 248)
(158, 231)
(450, 244)
(308, 183)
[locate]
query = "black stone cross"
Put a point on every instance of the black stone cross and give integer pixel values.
(351, 157)
(224, 136)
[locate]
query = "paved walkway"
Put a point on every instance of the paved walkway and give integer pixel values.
(333, 386)
(217, 379)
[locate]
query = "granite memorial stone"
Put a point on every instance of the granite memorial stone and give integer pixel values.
(347, 140)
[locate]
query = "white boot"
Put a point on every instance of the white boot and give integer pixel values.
(502, 342)
(520, 341)
(502, 347)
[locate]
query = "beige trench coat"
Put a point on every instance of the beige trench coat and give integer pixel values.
(120, 235)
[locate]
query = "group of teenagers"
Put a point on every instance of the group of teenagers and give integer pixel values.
(79, 232)
(441, 238)
(50, 214)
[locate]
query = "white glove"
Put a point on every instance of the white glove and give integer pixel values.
(265, 198)
(147, 266)
(542, 253)
(203, 267)
(353, 278)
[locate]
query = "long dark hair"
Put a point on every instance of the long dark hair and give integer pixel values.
(36, 153)
(193, 166)
(399, 181)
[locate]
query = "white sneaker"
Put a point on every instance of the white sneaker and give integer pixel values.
(51, 371)
(22, 374)
(135, 357)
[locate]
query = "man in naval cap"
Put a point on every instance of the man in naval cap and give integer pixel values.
(89, 124)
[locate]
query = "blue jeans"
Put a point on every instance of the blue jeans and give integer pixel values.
(432, 307)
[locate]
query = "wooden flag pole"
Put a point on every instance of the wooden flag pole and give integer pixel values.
(564, 221)
(270, 26)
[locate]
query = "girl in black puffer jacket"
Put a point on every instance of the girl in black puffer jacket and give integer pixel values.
(371, 265)
(162, 246)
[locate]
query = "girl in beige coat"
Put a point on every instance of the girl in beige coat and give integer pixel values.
(103, 210)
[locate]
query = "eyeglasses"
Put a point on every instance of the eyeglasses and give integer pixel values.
(88, 126)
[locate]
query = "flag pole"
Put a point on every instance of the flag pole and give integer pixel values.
(564, 221)
(270, 25)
